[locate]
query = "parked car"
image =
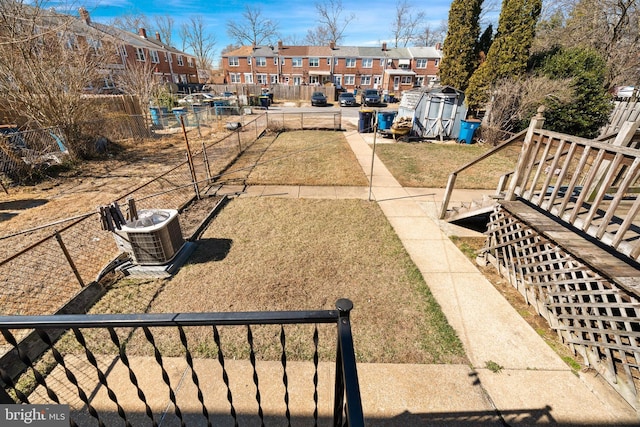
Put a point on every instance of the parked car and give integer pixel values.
(197, 99)
(624, 91)
(370, 97)
(318, 99)
(347, 99)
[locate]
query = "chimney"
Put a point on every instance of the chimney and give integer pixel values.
(143, 33)
(438, 46)
(384, 45)
(332, 45)
(158, 37)
(279, 44)
(84, 15)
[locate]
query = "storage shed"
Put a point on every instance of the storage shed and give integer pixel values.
(435, 112)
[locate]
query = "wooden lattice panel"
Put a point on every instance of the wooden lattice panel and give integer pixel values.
(598, 319)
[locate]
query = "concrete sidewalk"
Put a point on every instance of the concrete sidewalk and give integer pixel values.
(534, 385)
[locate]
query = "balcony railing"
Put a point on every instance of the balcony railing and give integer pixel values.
(74, 346)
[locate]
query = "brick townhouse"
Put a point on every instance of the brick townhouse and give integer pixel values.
(168, 63)
(351, 67)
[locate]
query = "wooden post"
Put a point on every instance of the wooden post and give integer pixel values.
(69, 259)
(194, 178)
(536, 123)
(451, 182)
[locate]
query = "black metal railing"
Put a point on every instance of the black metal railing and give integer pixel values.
(77, 345)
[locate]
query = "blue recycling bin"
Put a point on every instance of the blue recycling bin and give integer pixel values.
(180, 112)
(155, 115)
(467, 129)
(385, 119)
(365, 121)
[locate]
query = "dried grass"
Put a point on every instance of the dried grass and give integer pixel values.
(429, 164)
(294, 254)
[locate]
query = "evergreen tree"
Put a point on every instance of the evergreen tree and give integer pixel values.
(459, 51)
(591, 106)
(509, 52)
(484, 42)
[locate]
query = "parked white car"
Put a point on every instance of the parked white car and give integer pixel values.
(625, 91)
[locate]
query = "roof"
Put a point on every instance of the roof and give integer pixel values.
(339, 51)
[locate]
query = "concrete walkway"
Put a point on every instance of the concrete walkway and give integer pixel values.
(534, 385)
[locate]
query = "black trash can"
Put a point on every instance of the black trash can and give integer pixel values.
(365, 122)
(264, 101)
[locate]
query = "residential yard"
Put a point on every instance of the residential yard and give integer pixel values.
(429, 164)
(296, 254)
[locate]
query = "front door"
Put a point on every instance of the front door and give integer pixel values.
(396, 82)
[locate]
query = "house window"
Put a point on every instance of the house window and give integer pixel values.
(180, 60)
(262, 79)
(437, 62)
(189, 61)
(235, 77)
(421, 63)
(297, 62)
(248, 78)
(297, 80)
(365, 80)
(261, 61)
(367, 63)
(419, 80)
(406, 80)
(351, 62)
(349, 80)
(154, 56)
(335, 61)
(314, 62)
(274, 79)
(167, 57)
(140, 54)
(275, 60)
(248, 60)
(234, 61)
(282, 61)
(122, 51)
(382, 62)
(328, 61)
(314, 80)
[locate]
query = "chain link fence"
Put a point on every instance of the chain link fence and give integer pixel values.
(43, 268)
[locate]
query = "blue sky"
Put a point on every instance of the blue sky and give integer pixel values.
(372, 23)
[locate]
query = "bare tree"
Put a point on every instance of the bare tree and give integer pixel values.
(430, 35)
(608, 26)
(47, 66)
(513, 100)
(318, 36)
(406, 24)
(131, 22)
(332, 22)
(253, 28)
(137, 79)
(196, 38)
(164, 24)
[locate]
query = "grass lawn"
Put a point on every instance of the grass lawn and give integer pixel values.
(429, 164)
(299, 158)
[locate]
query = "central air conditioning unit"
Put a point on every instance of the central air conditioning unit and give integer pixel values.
(152, 239)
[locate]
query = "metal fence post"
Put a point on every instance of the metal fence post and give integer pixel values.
(69, 259)
(346, 372)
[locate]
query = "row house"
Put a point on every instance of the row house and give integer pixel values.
(349, 67)
(166, 63)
